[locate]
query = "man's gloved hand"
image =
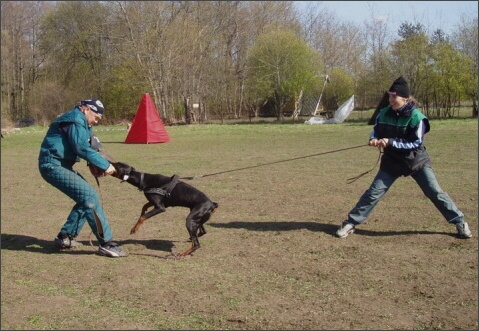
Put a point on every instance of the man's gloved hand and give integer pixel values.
(97, 172)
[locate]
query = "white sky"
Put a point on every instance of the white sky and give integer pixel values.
(433, 15)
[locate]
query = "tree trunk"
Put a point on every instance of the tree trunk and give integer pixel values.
(187, 111)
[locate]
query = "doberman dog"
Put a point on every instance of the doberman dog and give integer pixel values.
(162, 192)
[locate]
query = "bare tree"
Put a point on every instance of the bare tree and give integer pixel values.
(21, 58)
(466, 41)
(74, 37)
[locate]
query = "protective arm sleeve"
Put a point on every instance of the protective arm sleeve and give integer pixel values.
(78, 136)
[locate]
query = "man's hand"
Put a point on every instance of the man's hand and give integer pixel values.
(97, 172)
(373, 142)
(383, 143)
(111, 170)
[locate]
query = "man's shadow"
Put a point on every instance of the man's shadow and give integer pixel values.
(18, 242)
(315, 227)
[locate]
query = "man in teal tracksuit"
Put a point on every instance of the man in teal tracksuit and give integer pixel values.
(67, 141)
(399, 130)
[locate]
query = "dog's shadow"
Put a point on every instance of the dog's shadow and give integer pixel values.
(152, 244)
(315, 227)
(18, 242)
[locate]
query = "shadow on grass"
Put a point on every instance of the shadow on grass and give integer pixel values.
(316, 227)
(18, 242)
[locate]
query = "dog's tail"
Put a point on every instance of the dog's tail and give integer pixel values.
(214, 205)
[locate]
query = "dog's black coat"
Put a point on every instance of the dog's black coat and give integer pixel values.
(162, 193)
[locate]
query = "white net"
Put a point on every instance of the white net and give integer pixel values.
(339, 116)
(344, 110)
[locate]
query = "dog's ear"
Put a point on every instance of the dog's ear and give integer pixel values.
(125, 166)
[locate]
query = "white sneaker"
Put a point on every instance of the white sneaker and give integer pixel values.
(463, 230)
(66, 242)
(111, 249)
(345, 230)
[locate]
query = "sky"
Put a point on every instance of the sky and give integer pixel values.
(432, 14)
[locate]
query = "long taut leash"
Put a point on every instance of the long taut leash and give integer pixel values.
(349, 181)
(280, 161)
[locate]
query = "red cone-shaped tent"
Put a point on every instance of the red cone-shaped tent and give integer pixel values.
(147, 126)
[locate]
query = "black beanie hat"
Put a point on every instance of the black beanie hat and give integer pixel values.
(400, 88)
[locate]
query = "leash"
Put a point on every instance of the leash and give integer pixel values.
(352, 179)
(264, 164)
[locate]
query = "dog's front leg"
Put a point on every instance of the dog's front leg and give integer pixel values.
(137, 225)
(158, 209)
(145, 208)
(141, 219)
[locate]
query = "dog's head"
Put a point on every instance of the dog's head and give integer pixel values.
(122, 170)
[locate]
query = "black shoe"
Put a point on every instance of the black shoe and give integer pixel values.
(111, 249)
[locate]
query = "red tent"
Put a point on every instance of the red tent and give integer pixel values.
(147, 126)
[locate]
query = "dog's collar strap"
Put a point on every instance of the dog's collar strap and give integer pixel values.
(142, 186)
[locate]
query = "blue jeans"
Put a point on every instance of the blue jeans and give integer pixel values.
(87, 207)
(426, 180)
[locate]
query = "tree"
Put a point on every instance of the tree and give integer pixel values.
(466, 41)
(21, 58)
(375, 75)
(409, 58)
(182, 52)
(449, 72)
(279, 66)
(74, 38)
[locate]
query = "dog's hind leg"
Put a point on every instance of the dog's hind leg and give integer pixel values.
(194, 225)
(201, 228)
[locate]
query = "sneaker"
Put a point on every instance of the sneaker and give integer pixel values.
(111, 249)
(463, 230)
(66, 242)
(345, 230)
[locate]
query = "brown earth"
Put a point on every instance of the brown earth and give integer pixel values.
(270, 259)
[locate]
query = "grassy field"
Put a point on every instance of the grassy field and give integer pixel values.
(270, 259)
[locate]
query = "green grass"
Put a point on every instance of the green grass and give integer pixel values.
(269, 260)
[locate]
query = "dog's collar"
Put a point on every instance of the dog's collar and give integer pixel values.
(142, 186)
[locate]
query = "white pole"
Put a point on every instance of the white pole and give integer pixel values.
(326, 79)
